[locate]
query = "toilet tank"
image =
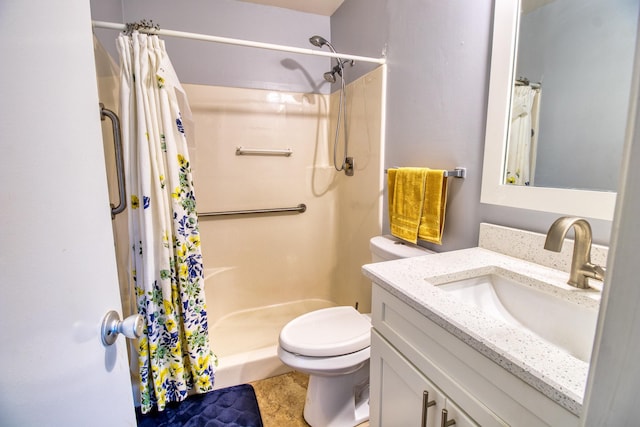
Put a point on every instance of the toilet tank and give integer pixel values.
(388, 247)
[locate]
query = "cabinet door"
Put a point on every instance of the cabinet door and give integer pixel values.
(398, 391)
(456, 414)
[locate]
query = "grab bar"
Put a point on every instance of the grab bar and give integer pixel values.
(240, 151)
(117, 142)
(300, 209)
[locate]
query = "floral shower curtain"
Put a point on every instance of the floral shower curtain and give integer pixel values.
(522, 136)
(173, 354)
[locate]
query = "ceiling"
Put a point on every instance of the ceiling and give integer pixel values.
(327, 7)
(318, 7)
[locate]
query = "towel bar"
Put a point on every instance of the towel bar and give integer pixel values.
(456, 173)
(300, 209)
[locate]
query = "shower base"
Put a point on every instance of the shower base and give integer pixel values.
(246, 341)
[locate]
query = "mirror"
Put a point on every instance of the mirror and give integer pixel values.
(567, 173)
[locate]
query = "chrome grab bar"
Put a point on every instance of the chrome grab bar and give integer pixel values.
(240, 151)
(117, 142)
(300, 209)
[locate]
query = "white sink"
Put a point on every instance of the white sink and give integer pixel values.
(562, 323)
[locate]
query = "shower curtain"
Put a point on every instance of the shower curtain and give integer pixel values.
(166, 263)
(522, 136)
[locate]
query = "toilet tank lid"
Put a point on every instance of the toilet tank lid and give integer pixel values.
(390, 247)
(333, 331)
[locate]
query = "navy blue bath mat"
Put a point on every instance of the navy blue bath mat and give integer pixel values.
(235, 406)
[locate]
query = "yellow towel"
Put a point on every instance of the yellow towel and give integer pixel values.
(435, 203)
(417, 200)
(406, 198)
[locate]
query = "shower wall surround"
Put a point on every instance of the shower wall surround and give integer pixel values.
(263, 99)
(269, 259)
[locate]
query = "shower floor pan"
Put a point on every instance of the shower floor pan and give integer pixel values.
(246, 341)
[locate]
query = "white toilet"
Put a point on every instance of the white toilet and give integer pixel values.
(332, 345)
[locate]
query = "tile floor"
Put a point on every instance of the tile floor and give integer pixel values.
(281, 400)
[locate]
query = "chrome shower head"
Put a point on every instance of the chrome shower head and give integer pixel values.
(330, 76)
(320, 41)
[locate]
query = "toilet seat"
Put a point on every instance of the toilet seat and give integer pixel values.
(328, 332)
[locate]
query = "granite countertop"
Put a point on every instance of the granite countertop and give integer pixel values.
(550, 370)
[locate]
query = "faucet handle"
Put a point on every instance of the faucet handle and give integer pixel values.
(593, 271)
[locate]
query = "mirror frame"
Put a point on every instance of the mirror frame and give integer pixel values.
(591, 204)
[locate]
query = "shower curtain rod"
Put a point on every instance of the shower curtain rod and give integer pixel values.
(239, 42)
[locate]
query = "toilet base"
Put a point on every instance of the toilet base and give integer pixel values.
(338, 400)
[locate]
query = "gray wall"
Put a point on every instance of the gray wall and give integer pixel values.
(208, 63)
(437, 88)
(438, 56)
(351, 33)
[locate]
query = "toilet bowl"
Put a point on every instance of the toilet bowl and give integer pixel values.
(332, 345)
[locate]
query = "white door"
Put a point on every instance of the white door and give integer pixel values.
(57, 264)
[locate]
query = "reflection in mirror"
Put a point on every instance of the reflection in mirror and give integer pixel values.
(571, 93)
(586, 203)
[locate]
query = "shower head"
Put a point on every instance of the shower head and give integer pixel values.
(330, 76)
(320, 41)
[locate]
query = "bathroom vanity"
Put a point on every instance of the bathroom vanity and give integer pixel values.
(440, 352)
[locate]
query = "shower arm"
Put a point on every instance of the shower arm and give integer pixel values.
(340, 65)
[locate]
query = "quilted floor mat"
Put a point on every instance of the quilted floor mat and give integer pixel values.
(228, 407)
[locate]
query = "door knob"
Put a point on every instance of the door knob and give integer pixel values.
(131, 327)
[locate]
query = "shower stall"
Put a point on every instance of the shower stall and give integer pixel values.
(256, 149)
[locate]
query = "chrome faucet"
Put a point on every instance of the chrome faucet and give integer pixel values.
(581, 267)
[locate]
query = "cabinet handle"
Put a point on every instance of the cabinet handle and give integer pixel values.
(445, 422)
(425, 406)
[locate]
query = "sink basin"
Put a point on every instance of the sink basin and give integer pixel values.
(562, 323)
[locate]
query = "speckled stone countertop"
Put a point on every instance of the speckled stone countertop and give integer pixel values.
(550, 370)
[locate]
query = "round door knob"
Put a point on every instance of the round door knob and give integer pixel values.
(131, 327)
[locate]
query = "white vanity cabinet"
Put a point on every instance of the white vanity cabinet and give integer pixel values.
(404, 396)
(411, 354)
